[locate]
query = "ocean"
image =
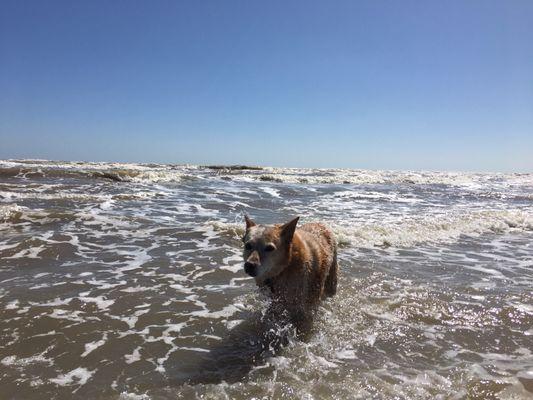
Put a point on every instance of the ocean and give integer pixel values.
(125, 281)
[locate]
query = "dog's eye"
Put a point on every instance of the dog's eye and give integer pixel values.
(270, 247)
(248, 246)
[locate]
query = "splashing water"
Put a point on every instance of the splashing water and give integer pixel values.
(126, 281)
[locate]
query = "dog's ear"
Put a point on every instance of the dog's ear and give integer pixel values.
(249, 222)
(287, 230)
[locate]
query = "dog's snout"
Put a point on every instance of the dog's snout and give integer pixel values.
(252, 264)
(250, 268)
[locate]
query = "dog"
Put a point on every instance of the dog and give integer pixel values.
(297, 267)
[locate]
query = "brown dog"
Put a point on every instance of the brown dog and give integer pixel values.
(299, 266)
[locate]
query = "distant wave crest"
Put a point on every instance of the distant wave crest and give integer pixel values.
(148, 173)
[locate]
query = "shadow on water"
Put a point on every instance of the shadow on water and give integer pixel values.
(246, 346)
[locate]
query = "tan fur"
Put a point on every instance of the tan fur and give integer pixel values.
(302, 269)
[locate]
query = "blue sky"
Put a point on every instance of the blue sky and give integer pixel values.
(432, 85)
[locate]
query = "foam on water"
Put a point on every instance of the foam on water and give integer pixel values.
(164, 173)
(90, 347)
(127, 280)
(441, 228)
(78, 376)
(10, 212)
(407, 232)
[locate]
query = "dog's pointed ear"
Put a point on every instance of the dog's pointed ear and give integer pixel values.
(249, 222)
(287, 230)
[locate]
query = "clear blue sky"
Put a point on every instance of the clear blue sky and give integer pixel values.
(440, 85)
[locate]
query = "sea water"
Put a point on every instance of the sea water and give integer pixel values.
(126, 281)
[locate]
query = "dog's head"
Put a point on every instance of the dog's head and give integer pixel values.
(266, 248)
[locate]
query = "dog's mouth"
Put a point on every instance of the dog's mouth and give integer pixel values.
(250, 269)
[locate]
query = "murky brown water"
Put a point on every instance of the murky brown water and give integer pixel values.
(125, 281)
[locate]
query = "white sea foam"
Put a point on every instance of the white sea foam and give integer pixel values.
(57, 195)
(133, 357)
(74, 316)
(349, 176)
(133, 396)
(271, 191)
(78, 376)
(226, 312)
(52, 303)
(407, 232)
(138, 288)
(437, 228)
(346, 354)
(12, 305)
(132, 320)
(10, 212)
(128, 172)
(163, 173)
(25, 361)
(100, 301)
(90, 347)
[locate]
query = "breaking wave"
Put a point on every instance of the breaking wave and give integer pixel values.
(356, 177)
(10, 213)
(435, 229)
(146, 173)
(116, 172)
(430, 229)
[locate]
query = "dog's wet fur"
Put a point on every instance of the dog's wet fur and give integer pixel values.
(297, 266)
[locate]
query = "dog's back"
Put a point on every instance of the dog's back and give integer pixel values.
(322, 257)
(311, 273)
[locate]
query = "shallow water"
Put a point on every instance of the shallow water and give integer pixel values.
(125, 281)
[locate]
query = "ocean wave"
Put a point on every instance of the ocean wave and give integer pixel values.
(11, 213)
(168, 173)
(433, 229)
(408, 233)
(357, 177)
(116, 172)
(79, 197)
(14, 196)
(231, 229)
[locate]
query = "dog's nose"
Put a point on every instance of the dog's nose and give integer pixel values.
(250, 268)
